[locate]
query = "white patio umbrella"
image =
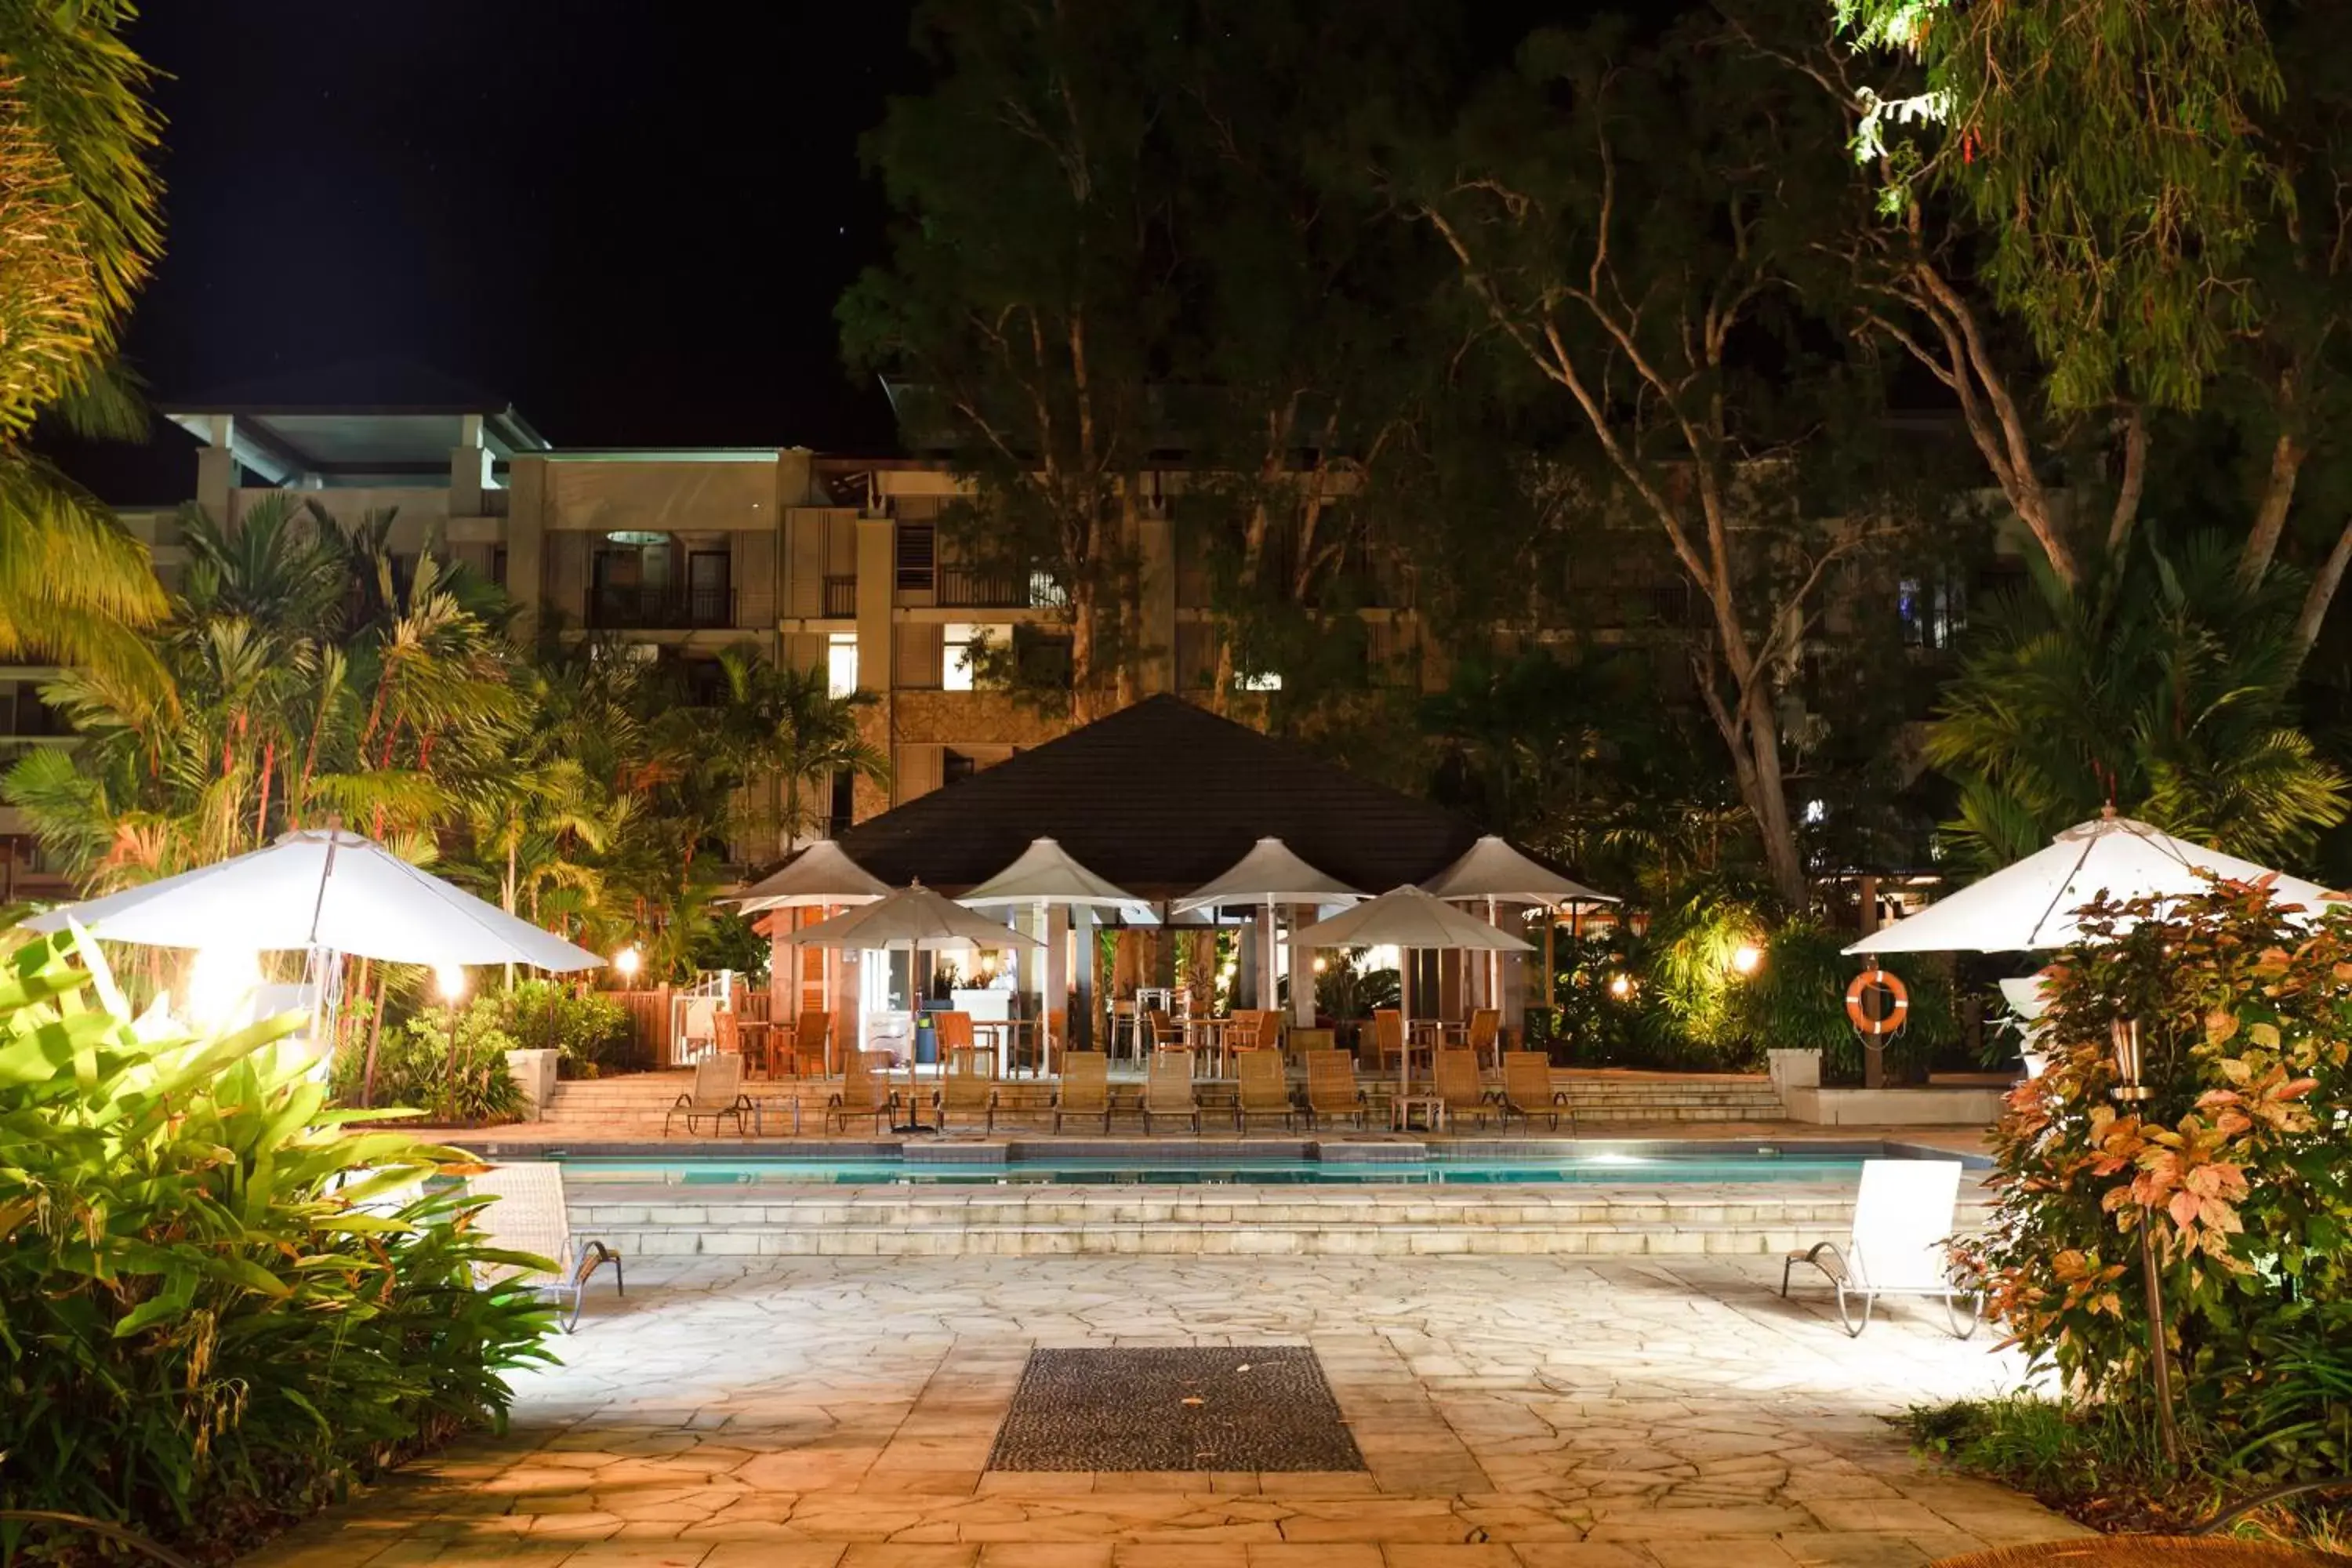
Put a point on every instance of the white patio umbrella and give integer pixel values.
(1268, 876)
(1409, 919)
(921, 920)
(1045, 877)
(2031, 904)
(822, 876)
(1493, 871)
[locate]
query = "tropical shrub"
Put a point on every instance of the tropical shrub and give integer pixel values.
(413, 1071)
(2235, 1165)
(589, 1032)
(1796, 1001)
(204, 1331)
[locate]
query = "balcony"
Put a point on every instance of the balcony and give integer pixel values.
(840, 598)
(638, 609)
(963, 588)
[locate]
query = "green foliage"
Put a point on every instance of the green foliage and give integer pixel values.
(2166, 690)
(205, 1330)
(1796, 1001)
(1348, 992)
(412, 1067)
(2235, 1167)
(590, 1031)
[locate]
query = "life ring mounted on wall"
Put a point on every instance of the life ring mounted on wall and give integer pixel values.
(1898, 1011)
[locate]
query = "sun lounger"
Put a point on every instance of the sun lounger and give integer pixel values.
(1331, 1090)
(1084, 1089)
(1265, 1089)
(717, 1096)
(1527, 1092)
(863, 1095)
(1899, 1244)
(529, 1217)
(1459, 1086)
(967, 1093)
(1168, 1090)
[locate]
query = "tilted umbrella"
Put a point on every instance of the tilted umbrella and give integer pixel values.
(1409, 919)
(921, 920)
(2033, 903)
(1045, 877)
(1268, 876)
(1492, 871)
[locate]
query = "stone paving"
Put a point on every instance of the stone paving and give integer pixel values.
(1532, 1411)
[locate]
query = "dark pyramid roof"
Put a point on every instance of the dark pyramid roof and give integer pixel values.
(1158, 798)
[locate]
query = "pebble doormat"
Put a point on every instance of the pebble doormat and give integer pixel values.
(1265, 1407)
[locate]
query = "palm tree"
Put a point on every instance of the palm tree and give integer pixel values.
(78, 208)
(2165, 690)
(782, 728)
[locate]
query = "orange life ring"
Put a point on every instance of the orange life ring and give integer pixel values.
(1898, 1006)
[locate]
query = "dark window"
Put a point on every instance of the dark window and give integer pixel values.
(955, 767)
(918, 554)
(498, 565)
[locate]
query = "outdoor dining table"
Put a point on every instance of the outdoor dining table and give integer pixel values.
(1207, 1035)
(1003, 1033)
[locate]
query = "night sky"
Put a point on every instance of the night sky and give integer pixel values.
(630, 219)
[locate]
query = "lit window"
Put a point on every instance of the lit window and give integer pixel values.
(1815, 811)
(1265, 681)
(841, 663)
(960, 658)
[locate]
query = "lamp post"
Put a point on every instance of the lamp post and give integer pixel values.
(2123, 1037)
(626, 962)
(451, 979)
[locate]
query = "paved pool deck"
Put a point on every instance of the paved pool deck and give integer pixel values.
(1524, 1412)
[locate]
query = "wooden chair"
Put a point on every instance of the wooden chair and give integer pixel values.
(1331, 1090)
(1527, 1092)
(864, 1093)
(968, 1090)
(1458, 1085)
(952, 1032)
(726, 1039)
(717, 1096)
(1388, 1038)
(1053, 1038)
(1485, 1032)
(812, 1040)
(1168, 1089)
(1084, 1089)
(1167, 1033)
(1264, 1090)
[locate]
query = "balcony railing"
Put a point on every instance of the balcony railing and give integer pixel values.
(660, 608)
(840, 598)
(964, 588)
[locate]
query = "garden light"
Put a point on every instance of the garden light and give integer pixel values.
(2123, 1038)
(1620, 986)
(450, 979)
(1747, 958)
(626, 962)
(218, 982)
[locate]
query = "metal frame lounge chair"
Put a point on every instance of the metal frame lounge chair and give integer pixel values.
(1527, 1092)
(967, 1090)
(1085, 1088)
(1264, 1089)
(529, 1216)
(1168, 1090)
(1455, 1073)
(717, 1096)
(1331, 1090)
(1899, 1244)
(863, 1093)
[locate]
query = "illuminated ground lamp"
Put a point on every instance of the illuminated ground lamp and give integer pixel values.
(451, 981)
(626, 963)
(2130, 1089)
(1747, 958)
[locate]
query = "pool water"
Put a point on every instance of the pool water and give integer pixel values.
(1436, 1170)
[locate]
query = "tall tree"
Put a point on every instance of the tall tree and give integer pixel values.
(1021, 306)
(781, 737)
(1639, 223)
(79, 229)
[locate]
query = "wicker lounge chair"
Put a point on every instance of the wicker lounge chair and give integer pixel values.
(1527, 1092)
(529, 1217)
(1265, 1089)
(1331, 1090)
(863, 1094)
(1458, 1085)
(717, 1096)
(1899, 1246)
(1084, 1089)
(1168, 1090)
(967, 1092)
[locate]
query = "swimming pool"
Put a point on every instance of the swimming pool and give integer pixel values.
(1436, 1169)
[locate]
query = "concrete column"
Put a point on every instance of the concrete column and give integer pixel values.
(1262, 924)
(527, 541)
(1057, 997)
(216, 474)
(1302, 969)
(469, 469)
(878, 563)
(1082, 1009)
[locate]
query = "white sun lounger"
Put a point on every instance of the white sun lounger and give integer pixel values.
(529, 1216)
(1903, 1224)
